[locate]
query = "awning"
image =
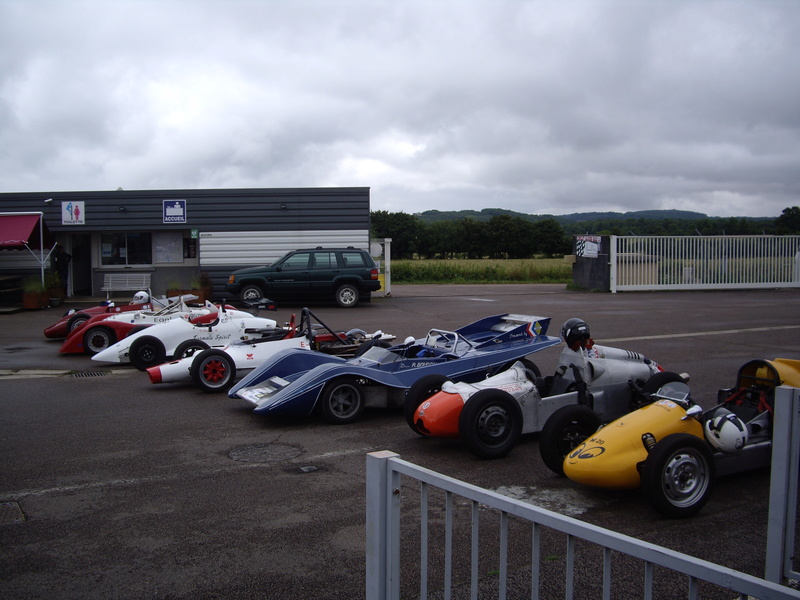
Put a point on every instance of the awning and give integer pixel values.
(27, 231)
(20, 231)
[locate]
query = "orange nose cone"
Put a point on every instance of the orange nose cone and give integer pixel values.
(438, 415)
(155, 374)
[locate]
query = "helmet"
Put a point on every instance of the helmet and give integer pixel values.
(574, 330)
(140, 298)
(725, 431)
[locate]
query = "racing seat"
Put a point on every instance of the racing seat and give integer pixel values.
(206, 320)
(753, 397)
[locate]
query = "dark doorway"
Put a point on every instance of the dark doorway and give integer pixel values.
(81, 264)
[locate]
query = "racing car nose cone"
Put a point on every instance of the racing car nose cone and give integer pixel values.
(155, 374)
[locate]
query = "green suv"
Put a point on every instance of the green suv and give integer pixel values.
(346, 275)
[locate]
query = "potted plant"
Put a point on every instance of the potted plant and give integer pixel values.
(207, 285)
(54, 288)
(33, 293)
(195, 287)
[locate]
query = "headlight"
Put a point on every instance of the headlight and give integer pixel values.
(232, 279)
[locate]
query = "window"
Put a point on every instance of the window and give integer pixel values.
(126, 249)
(325, 260)
(296, 261)
(354, 259)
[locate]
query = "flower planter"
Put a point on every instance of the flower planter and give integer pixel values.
(34, 300)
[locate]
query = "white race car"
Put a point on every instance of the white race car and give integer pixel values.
(216, 369)
(103, 330)
(489, 416)
(151, 346)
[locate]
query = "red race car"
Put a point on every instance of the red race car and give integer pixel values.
(75, 318)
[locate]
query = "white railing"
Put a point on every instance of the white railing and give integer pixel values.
(574, 561)
(784, 481)
(704, 262)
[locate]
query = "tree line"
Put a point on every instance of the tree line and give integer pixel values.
(515, 235)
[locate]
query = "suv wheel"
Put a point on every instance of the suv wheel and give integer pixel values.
(347, 295)
(251, 292)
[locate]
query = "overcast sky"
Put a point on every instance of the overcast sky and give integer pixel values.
(543, 107)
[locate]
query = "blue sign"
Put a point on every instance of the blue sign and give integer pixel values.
(174, 211)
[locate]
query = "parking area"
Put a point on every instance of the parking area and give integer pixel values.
(115, 488)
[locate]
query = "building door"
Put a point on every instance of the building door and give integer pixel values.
(81, 263)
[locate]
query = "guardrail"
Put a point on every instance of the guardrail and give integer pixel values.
(586, 570)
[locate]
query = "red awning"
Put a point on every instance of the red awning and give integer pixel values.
(22, 231)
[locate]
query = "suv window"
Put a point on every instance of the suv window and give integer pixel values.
(296, 261)
(354, 259)
(325, 260)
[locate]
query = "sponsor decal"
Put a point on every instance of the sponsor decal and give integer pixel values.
(586, 450)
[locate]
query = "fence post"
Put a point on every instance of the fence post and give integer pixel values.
(379, 497)
(783, 485)
(612, 258)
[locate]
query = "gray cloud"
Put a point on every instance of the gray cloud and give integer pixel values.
(536, 106)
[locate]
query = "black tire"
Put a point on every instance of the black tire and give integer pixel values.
(342, 401)
(77, 320)
(189, 348)
(347, 295)
(147, 351)
(678, 475)
(563, 431)
(213, 371)
(97, 338)
(250, 293)
(422, 389)
(490, 423)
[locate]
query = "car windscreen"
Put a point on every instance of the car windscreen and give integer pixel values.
(380, 355)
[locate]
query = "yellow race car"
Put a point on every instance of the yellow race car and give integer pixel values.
(673, 449)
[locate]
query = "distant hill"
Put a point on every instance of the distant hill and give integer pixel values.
(431, 216)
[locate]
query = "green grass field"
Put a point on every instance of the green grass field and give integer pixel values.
(534, 270)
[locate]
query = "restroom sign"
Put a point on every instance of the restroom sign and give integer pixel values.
(174, 211)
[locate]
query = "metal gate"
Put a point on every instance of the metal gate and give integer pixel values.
(704, 262)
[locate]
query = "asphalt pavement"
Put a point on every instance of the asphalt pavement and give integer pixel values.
(115, 488)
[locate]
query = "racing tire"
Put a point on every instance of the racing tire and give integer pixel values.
(213, 371)
(189, 348)
(98, 338)
(250, 293)
(342, 401)
(347, 295)
(655, 383)
(147, 351)
(563, 431)
(77, 320)
(490, 424)
(678, 475)
(422, 389)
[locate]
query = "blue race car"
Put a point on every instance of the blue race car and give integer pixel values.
(297, 382)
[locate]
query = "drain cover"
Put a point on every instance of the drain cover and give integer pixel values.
(265, 453)
(91, 374)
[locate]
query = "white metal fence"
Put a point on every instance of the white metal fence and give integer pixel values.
(590, 554)
(704, 262)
